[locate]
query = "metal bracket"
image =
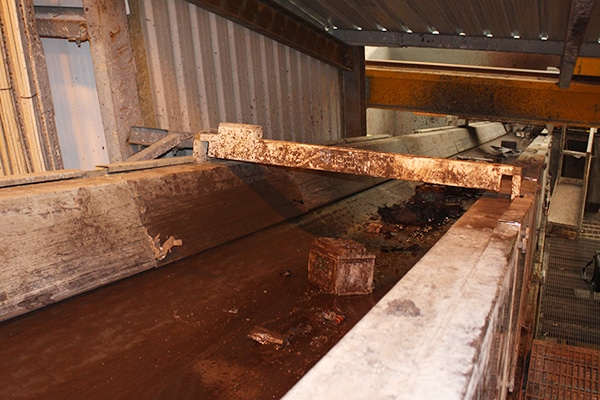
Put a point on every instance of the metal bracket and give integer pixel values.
(242, 142)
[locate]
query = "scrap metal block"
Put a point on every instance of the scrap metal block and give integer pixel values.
(340, 266)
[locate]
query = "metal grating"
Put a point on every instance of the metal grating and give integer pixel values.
(558, 371)
(570, 311)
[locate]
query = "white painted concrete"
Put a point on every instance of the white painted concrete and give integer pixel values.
(430, 336)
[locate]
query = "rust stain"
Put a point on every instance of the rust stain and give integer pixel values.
(242, 142)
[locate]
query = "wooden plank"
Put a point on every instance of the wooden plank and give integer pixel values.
(27, 109)
(65, 238)
(141, 165)
(42, 103)
(40, 177)
(12, 151)
(115, 72)
(142, 76)
(565, 204)
(206, 205)
(157, 149)
(148, 136)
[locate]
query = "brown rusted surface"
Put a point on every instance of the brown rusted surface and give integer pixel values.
(486, 94)
(340, 266)
(180, 332)
(244, 143)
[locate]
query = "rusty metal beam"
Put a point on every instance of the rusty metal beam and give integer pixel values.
(272, 20)
(491, 94)
(62, 23)
(244, 143)
(579, 17)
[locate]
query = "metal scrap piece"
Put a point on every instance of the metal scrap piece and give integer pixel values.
(242, 142)
(266, 336)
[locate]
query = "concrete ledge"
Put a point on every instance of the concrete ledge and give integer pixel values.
(450, 328)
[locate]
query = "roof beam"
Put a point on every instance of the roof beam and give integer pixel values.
(482, 93)
(272, 20)
(579, 17)
(401, 39)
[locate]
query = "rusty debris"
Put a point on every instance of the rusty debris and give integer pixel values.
(331, 316)
(431, 205)
(244, 143)
(266, 336)
(340, 266)
(161, 251)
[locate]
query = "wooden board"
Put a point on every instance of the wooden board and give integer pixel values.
(565, 205)
(38, 177)
(210, 204)
(157, 149)
(61, 239)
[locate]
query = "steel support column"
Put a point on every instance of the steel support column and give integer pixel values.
(579, 16)
(354, 100)
(244, 143)
(483, 93)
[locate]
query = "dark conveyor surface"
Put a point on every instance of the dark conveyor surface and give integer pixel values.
(181, 331)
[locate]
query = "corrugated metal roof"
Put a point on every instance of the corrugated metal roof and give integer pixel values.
(527, 19)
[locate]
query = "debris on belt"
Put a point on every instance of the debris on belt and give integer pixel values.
(340, 266)
(431, 205)
(162, 250)
(331, 316)
(266, 336)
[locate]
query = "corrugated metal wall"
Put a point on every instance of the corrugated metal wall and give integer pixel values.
(205, 69)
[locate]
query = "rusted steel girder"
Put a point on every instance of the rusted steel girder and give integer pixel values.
(244, 143)
(490, 94)
(270, 19)
(579, 16)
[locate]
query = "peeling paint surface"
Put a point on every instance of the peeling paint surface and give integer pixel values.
(244, 143)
